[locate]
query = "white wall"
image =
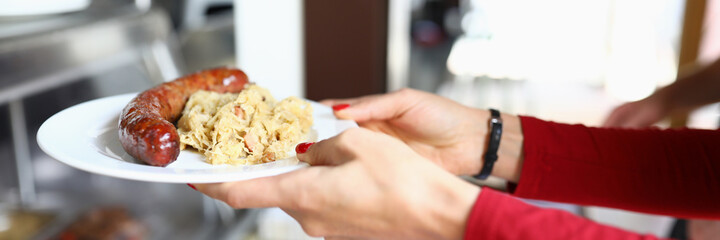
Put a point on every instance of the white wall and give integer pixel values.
(269, 44)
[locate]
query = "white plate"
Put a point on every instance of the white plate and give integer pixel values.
(85, 136)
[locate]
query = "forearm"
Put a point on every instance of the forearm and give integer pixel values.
(622, 168)
(447, 209)
(498, 216)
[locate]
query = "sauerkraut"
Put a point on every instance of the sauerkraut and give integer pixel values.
(249, 127)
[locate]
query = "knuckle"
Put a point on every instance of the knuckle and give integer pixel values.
(346, 136)
(350, 139)
(352, 132)
(406, 95)
(406, 91)
(304, 197)
(313, 229)
(304, 201)
(234, 200)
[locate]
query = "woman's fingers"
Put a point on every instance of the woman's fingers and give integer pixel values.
(333, 102)
(274, 191)
(620, 116)
(332, 151)
(634, 115)
(614, 120)
(374, 107)
(259, 192)
(350, 101)
(378, 107)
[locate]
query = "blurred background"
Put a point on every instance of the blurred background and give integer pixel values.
(562, 60)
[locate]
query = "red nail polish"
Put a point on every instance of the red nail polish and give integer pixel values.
(191, 186)
(338, 107)
(303, 147)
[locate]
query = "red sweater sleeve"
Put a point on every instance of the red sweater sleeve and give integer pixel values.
(670, 172)
(498, 216)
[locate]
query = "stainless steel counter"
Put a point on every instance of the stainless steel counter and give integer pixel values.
(53, 62)
(42, 53)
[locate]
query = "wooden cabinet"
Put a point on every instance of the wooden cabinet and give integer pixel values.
(345, 48)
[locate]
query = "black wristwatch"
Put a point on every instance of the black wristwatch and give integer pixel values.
(490, 155)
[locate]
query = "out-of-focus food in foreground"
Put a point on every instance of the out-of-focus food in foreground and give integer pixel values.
(20, 224)
(105, 223)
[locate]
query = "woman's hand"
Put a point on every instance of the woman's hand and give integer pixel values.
(639, 114)
(361, 184)
(446, 132)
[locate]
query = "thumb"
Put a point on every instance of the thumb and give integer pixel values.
(375, 107)
(272, 191)
(330, 151)
(254, 193)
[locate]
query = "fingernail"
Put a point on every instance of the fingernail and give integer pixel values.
(303, 147)
(338, 107)
(191, 186)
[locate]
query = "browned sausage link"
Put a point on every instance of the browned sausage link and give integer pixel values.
(146, 124)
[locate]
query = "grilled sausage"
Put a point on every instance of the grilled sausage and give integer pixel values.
(146, 124)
